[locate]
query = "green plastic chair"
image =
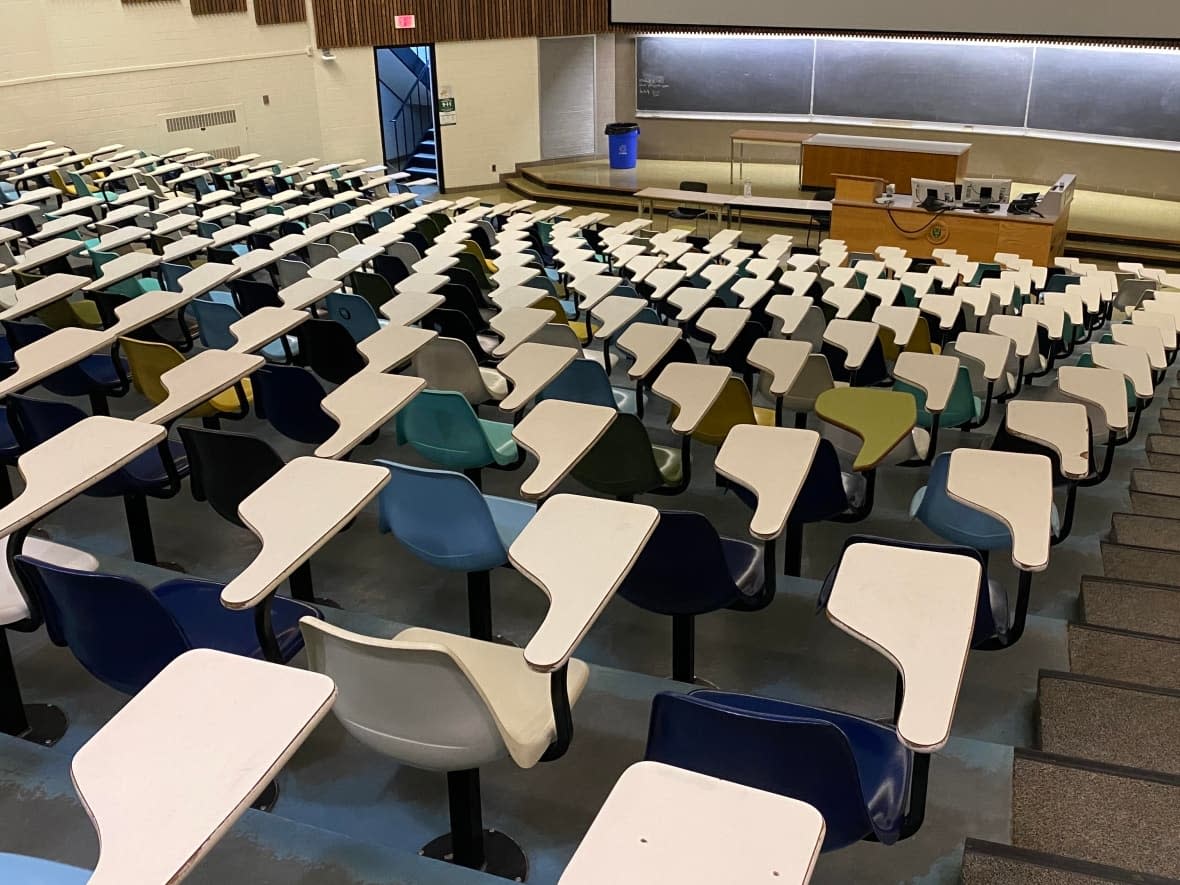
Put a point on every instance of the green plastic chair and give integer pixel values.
(373, 287)
(85, 190)
(625, 463)
(471, 264)
(78, 312)
(441, 426)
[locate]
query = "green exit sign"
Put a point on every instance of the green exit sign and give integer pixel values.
(446, 105)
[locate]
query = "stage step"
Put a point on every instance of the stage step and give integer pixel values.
(1124, 656)
(1136, 530)
(1153, 609)
(1155, 481)
(1135, 563)
(1105, 721)
(1104, 814)
(1155, 505)
(990, 863)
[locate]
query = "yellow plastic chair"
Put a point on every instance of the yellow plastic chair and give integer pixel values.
(732, 408)
(63, 313)
(874, 427)
(150, 360)
(58, 181)
(920, 339)
(473, 247)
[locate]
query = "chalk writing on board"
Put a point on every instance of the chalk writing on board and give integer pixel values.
(653, 86)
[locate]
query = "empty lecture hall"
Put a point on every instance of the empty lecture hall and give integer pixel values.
(589, 442)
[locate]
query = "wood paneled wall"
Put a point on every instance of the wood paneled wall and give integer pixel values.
(341, 23)
(216, 7)
(279, 12)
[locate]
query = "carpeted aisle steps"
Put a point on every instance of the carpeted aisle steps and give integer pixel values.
(1124, 656)
(1106, 814)
(1131, 605)
(990, 863)
(1131, 730)
(1157, 482)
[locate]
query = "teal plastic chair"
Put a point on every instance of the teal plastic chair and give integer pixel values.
(213, 321)
(963, 407)
(443, 519)
(442, 427)
(82, 189)
(354, 313)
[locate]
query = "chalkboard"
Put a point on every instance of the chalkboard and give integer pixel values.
(1107, 92)
(936, 82)
(724, 75)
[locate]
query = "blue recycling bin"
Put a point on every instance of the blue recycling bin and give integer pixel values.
(624, 145)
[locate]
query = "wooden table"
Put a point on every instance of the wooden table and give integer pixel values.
(782, 360)
(361, 405)
(280, 514)
(559, 434)
(616, 531)
(257, 329)
(1133, 362)
(693, 388)
(895, 160)
(72, 461)
(410, 306)
(876, 595)
(935, 375)
(517, 326)
(1104, 389)
(530, 368)
(665, 824)
(1016, 489)
(711, 203)
(1063, 427)
(42, 293)
(197, 380)
(775, 137)
(390, 347)
(773, 463)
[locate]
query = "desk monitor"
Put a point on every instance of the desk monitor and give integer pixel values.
(928, 191)
(987, 190)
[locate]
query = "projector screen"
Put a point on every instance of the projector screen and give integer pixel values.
(1045, 18)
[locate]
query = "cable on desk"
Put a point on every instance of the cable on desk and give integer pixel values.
(919, 230)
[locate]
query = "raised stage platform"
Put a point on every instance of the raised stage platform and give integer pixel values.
(1102, 225)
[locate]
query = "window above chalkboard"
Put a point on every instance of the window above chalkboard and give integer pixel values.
(1118, 94)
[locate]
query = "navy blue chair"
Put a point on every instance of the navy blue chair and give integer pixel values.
(328, 349)
(289, 398)
(157, 473)
(854, 771)
(97, 376)
(686, 570)
(124, 634)
(252, 295)
(10, 450)
(585, 381)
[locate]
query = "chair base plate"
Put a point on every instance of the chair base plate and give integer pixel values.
(47, 724)
(324, 602)
(267, 798)
(698, 681)
(171, 566)
(503, 857)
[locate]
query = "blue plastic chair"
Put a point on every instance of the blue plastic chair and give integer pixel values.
(10, 450)
(442, 518)
(96, 376)
(289, 398)
(585, 381)
(687, 569)
(213, 321)
(124, 634)
(442, 427)
(354, 313)
(853, 770)
(36, 871)
(149, 475)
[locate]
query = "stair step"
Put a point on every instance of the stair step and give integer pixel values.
(1155, 481)
(1163, 452)
(1129, 605)
(1155, 505)
(1168, 426)
(1162, 461)
(990, 863)
(1135, 563)
(1105, 814)
(1136, 530)
(1124, 656)
(421, 171)
(424, 159)
(427, 143)
(1106, 721)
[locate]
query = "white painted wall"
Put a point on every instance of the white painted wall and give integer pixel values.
(92, 73)
(495, 83)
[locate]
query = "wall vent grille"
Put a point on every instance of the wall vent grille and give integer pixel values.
(189, 122)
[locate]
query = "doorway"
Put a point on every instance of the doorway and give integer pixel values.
(406, 99)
